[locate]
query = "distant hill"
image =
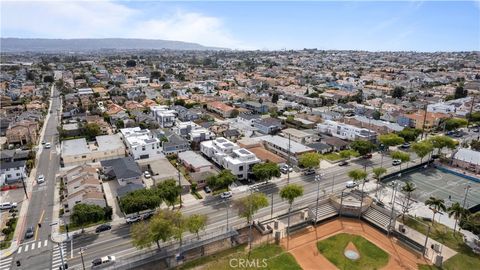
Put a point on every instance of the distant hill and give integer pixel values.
(93, 44)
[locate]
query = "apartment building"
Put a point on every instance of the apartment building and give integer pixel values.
(416, 120)
(82, 185)
(141, 143)
(163, 115)
(346, 131)
(230, 156)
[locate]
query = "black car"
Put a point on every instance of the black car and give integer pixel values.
(103, 227)
(29, 232)
(207, 189)
(343, 163)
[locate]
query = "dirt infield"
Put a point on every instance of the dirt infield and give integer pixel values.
(303, 247)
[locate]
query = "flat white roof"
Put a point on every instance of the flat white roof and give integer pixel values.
(468, 155)
(282, 143)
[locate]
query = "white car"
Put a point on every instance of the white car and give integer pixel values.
(40, 179)
(133, 219)
(226, 195)
(103, 261)
(351, 184)
(396, 162)
(7, 205)
(48, 145)
(146, 174)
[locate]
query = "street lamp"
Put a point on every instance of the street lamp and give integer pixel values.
(466, 194)
(318, 177)
(82, 249)
(227, 206)
(24, 187)
(395, 185)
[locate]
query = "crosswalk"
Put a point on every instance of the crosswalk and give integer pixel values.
(31, 246)
(6, 263)
(57, 257)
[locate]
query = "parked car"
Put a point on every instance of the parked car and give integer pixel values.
(396, 162)
(351, 184)
(207, 189)
(43, 142)
(146, 174)
(309, 172)
(47, 145)
(7, 205)
(226, 195)
(103, 261)
(29, 232)
(343, 163)
(147, 215)
(476, 129)
(133, 219)
(405, 146)
(367, 156)
(285, 169)
(102, 228)
(40, 179)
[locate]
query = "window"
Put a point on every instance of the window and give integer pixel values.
(18, 174)
(143, 148)
(240, 168)
(84, 156)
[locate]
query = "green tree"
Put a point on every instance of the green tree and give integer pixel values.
(309, 160)
(221, 181)
(139, 200)
(457, 211)
(408, 188)
(169, 191)
(378, 172)
(474, 116)
(348, 153)
(475, 145)
(48, 79)
(84, 214)
(455, 123)
(166, 86)
(376, 115)
(91, 130)
(422, 149)
(440, 141)
(436, 205)
(234, 113)
(265, 171)
(196, 223)
(410, 134)
(357, 175)
(141, 235)
(362, 147)
(460, 92)
(249, 205)
(398, 92)
(391, 139)
(275, 98)
(160, 229)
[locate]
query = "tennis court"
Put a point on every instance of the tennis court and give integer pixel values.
(433, 182)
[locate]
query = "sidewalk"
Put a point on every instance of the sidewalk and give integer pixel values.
(17, 235)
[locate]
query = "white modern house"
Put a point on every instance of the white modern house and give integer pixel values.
(163, 115)
(141, 143)
(230, 156)
(345, 131)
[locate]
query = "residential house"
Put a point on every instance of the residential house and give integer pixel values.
(255, 107)
(124, 170)
(164, 116)
(194, 162)
(284, 147)
(416, 120)
(12, 171)
(22, 132)
(268, 125)
(299, 136)
(336, 143)
(82, 185)
(345, 131)
(174, 143)
(141, 143)
(185, 114)
(220, 108)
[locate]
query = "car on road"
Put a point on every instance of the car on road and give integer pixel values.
(367, 156)
(285, 169)
(47, 145)
(146, 174)
(351, 184)
(476, 129)
(405, 146)
(7, 205)
(40, 179)
(102, 228)
(309, 172)
(103, 261)
(226, 195)
(343, 163)
(396, 162)
(44, 142)
(207, 189)
(133, 219)
(29, 232)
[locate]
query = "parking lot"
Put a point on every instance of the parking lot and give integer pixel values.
(433, 182)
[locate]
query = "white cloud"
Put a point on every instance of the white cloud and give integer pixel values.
(107, 19)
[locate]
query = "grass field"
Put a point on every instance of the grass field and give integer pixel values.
(332, 156)
(371, 256)
(276, 258)
(465, 259)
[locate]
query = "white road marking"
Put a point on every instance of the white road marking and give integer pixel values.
(19, 250)
(33, 246)
(26, 248)
(45, 243)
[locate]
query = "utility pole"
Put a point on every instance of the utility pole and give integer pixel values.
(24, 187)
(470, 114)
(393, 206)
(251, 223)
(271, 210)
(317, 179)
(466, 194)
(424, 118)
(81, 256)
(333, 182)
(179, 184)
(288, 161)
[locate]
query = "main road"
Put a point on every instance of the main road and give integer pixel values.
(36, 252)
(117, 242)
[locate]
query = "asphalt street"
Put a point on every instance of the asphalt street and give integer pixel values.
(36, 252)
(117, 242)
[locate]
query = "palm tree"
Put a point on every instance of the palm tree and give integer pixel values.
(435, 205)
(408, 188)
(378, 172)
(457, 211)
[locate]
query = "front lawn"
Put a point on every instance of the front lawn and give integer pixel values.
(275, 258)
(371, 256)
(332, 156)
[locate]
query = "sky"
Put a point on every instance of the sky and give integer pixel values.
(341, 25)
